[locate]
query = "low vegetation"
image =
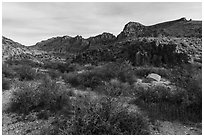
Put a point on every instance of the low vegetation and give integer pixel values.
(100, 117)
(44, 96)
(5, 84)
(50, 94)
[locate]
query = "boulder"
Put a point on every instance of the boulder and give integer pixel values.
(154, 76)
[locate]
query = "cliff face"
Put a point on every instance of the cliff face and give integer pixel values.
(138, 52)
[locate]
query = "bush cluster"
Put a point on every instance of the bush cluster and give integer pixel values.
(5, 84)
(115, 88)
(7, 71)
(103, 117)
(62, 67)
(97, 76)
(26, 73)
(161, 94)
(46, 96)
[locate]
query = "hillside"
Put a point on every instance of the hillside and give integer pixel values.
(176, 28)
(185, 34)
(73, 44)
(12, 49)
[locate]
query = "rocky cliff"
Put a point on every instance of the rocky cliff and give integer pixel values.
(145, 51)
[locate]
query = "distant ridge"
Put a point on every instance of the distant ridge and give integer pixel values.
(131, 33)
(176, 28)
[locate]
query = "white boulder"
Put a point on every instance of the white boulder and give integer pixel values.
(154, 76)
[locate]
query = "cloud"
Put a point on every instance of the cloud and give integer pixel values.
(29, 23)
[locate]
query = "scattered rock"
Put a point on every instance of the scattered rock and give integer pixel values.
(154, 76)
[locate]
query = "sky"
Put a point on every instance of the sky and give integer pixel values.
(29, 23)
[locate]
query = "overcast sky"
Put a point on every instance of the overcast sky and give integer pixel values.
(29, 23)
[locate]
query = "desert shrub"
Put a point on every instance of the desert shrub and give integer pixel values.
(105, 72)
(126, 73)
(26, 73)
(86, 79)
(62, 67)
(161, 94)
(189, 77)
(106, 117)
(7, 70)
(5, 84)
(54, 74)
(90, 80)
(24, 61)
(47, 96)
(67, 67)
(73, 67)
(163, 103)
(194, 89)
(115, 88)
(123, 71)
(71, 78)
(97, 76)
(49, 65)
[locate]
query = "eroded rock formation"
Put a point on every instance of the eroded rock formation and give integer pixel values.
(138, 53)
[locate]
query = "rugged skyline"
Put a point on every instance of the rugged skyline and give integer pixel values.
(29, 23)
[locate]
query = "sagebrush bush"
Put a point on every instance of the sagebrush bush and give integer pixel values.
(73, 67)
(107, 117)
(5, 84)
(194, 89)
(54, 74)
(170, 104)
(72, 78)
(86, 79)
(161, 94)
(26, 73)
(189, 77)
(7, 70)
(47, 96)
(126, 73)
(23, 62)
(115, 89)
(97, 76)
(91, 81)
(62, 67)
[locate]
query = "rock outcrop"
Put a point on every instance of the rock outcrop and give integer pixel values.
(175, 28)
(138, 53)
(132, 29)
(104, 38)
